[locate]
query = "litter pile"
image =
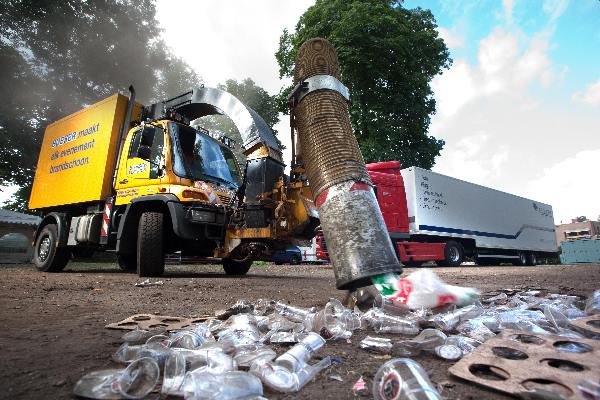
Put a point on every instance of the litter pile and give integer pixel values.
(230, 357)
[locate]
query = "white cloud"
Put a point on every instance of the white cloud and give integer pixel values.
(591, 94)
(503, 125)
(570, 186)
(228, 39)
(223, 39)
(452, 39)
(555, 8)
(507, 5)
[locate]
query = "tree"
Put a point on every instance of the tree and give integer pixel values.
(253, 96)
(388, 56)
(58, 56)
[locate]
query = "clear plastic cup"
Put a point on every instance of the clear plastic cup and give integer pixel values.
(139, 378)
(298, 356)
(403, 378)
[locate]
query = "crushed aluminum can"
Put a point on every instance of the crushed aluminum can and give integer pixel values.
(448, 352)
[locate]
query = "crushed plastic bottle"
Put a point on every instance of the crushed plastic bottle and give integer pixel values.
(333, 322)
(592, 306)
(281, 379)
(475, 329)
(245, 356)
(376, 345)
(381, 322)
(464, 343)
(99, 385)
(241, 306)
(427, 340)
(264, 307)
(449, 320)
(448, 352)
(298, 356)
(202, 385)
(287, 337)
(295, 314)
(403, 378)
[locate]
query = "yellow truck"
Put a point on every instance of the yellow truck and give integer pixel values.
(143, 181)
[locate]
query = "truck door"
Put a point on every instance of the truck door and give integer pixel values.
(143, 163)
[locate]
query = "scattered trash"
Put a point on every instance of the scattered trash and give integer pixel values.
(381, 322)
(448, 352)
(593, 304)
(423, 289)
(230, 355)
(359, 385)
(427, 340)
(402, 378)
(152, 322)
(134, 382)
(147, 283)
(545, 365)
(376, 345)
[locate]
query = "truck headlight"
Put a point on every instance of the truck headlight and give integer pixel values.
(202, 216)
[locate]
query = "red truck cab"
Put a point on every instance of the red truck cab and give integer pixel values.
(391, 196)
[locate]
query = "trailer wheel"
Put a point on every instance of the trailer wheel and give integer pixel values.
(532, 259)
(522, 260)
(233, 267)
(127, 262)
(453, 253)
(46, 255)
(150, 252)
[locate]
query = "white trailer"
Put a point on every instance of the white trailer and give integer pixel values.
(488, 224)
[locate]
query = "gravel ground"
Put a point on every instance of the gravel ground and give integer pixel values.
(53, 324)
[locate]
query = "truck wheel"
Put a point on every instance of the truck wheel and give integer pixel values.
(150, 253)
(453, 253)
(127, 262)
(522, 260)
(46, 256)
(532, 259)
(233, 267)
(295, 260)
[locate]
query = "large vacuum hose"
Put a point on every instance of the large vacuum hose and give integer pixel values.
(357, 239)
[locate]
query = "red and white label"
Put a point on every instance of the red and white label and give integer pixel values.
(106, 219)
(343, 187)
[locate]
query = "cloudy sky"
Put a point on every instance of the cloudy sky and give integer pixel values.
(519, 109)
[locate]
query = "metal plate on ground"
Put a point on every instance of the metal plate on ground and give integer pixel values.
(152, 321)
(519, 363)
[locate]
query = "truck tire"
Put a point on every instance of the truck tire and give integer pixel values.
(522, 260)
(453, 253)
(296, 260)
(532, 259)
(150, 252)
(127, 262)
(233, 267)
(46, 255)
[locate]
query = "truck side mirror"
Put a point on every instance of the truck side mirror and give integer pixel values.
(144, 152)
(147, 136)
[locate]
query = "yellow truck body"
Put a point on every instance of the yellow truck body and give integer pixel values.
(78, 154)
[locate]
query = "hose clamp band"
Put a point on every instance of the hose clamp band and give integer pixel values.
(314, 83)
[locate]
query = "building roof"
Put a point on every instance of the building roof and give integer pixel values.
(13, 217)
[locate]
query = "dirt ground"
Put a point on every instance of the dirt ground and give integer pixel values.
(53, 324)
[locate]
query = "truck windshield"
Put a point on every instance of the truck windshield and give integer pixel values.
(198, 157)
